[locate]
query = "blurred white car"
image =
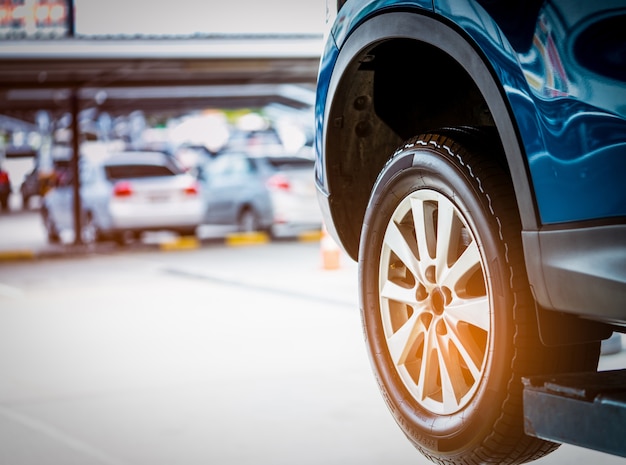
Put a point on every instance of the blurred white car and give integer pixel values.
(291, 184)
(124, 195)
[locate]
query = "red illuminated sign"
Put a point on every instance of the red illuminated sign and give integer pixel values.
(34, 18)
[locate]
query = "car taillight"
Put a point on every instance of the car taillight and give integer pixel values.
(279, 182)
(192, 189)
(122, 189)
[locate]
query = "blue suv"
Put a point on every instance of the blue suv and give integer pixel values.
(471, 155)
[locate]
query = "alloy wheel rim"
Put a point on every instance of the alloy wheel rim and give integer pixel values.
(434, 302)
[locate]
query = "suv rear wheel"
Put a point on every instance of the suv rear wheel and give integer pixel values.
(248, 221)
(447, 312)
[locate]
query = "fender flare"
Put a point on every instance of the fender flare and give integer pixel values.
(459, 46)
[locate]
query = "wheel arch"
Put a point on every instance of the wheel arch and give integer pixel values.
(390, 63)
(247, 206)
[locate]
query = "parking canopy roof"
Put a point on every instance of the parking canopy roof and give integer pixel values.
(121, 74)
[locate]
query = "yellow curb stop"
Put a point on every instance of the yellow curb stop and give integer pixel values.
(310, 236)
(251, 238)
(181, 243)
(19, 254)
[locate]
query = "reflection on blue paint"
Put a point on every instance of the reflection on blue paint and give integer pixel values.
(578, 172)
(570, 116)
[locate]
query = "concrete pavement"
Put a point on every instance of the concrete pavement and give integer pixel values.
(23, 237)
(257, 358)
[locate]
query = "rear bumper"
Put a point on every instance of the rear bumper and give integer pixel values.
(179, 215)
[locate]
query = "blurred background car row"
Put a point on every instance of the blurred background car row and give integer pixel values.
(204, 170)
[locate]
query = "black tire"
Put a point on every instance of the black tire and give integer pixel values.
(188, 232)
(447, 312)
(248, 221)
(123, 238)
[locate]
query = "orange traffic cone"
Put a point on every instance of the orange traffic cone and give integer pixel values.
(331, 253)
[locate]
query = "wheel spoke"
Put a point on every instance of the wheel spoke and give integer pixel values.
(401, 342)
(429, 383)
(453, 384)
(393, 291)
(396, 242)
(469, 351)
(473, 311)
(424, 231)
(461, 269)
(447, 236)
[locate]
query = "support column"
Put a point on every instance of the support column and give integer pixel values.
(78, 240)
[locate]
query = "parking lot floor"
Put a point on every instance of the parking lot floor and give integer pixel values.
(153, 405)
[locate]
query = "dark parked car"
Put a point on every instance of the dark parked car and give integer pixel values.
(37, 182)
(471, 156)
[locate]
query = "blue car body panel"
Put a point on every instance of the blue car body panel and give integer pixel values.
(571, 119)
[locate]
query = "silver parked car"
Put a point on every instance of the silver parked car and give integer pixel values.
(275, 194)
(235, 193)
(126, 194)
